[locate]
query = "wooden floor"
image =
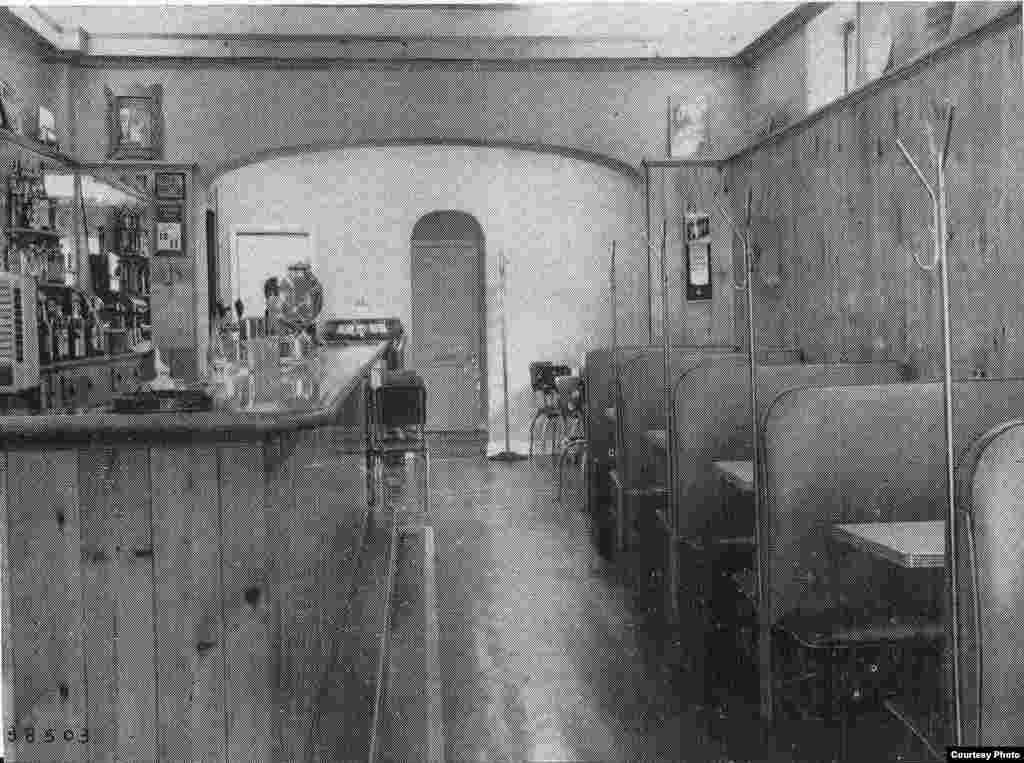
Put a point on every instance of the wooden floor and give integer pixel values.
(544, 654)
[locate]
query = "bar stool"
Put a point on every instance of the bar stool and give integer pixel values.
(398, 418)
(549, 415)
(570, 404)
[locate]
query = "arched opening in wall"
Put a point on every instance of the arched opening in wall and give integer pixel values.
(447, 335)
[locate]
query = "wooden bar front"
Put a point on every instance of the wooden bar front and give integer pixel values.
(175, 593)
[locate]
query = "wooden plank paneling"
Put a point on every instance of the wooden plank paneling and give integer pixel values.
(844, 215)
(249, 534)
(44, 663)
(307, 540)
(280, 476)
(190, 648)
(673, 191)
(117, 553)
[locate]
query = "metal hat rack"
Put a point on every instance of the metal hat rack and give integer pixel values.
(747, 286)
(937, 194)
(507, 455)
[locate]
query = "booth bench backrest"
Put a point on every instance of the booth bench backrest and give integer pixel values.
(643, 408)
(713, 420)
(859, 454)
(599, 391)
(990, 540)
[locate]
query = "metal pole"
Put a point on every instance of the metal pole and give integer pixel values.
(938, 198)
(748, 286)
(615, 317)
(650, 309)
(947, 393)
(670, 508)
(619, 464)
(507, 454)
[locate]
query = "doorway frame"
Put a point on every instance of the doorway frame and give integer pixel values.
(270, 229)
(482, 355)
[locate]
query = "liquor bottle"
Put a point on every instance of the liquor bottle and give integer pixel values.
(43, 319)
(61, 330)
(53, 318)
(65, 335)
(77, 327)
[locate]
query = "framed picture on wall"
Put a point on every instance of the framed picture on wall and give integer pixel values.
(170, 230)
(170, 185)
(687, 126)
(135, 123)
(10, 108)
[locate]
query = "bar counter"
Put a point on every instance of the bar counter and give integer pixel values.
(331, 379)
(175, 585)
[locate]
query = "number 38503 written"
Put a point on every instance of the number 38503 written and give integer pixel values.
(32, 735)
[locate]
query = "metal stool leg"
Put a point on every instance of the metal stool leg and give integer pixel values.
(426, 490)
(533, 424)
(561, 468)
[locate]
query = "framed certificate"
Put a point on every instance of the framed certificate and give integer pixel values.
(170, 185)
(170, 229)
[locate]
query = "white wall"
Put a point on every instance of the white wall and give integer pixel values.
(553, 216)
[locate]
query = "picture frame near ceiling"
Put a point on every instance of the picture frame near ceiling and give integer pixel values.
(170, 186)
(10, 108)
(687, 126)
(135, 123)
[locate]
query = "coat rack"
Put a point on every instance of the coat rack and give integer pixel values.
(937, 194)
(670, 480)
(747, 286)
(507, 455)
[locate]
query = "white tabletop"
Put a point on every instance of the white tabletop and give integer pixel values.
(657, 437)
(738, 473)
(907, 544)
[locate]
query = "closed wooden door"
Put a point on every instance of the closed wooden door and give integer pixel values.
(446, 331)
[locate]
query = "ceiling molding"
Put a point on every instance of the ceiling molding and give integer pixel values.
(61, 39)
(390, 63)
(471, 32)
(295, 47)
(779, 32)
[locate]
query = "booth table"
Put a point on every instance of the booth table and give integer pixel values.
(739, 474)
(907, 544)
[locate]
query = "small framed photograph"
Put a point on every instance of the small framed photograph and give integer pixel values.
(9, 108)
(170, 230)
(687, 126)
(170, 185)
(135, 123)
(47, 127)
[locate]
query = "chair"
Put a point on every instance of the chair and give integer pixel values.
(542, 380)
(570, 405)
(398, 417)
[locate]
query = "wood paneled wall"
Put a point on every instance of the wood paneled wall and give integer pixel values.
(180, 601)
(674, 189)
(838, 215)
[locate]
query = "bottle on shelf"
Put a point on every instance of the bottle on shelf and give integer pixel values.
(98, 343)
(77, 327)
(43, 321)
(54, 320)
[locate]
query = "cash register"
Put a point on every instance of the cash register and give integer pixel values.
(350, 331)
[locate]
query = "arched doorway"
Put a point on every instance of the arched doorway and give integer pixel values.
(447, 345)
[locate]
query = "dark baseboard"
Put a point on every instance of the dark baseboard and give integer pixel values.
(457, 444)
